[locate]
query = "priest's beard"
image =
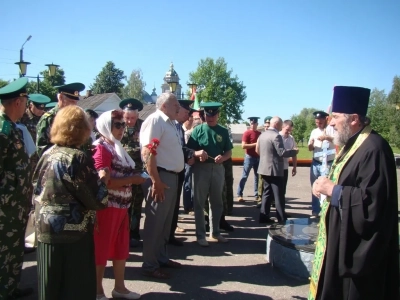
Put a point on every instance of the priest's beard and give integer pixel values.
(341, 138)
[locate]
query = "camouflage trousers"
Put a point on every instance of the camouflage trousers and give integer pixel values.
(135, 211)
(12, 236)
(227, 193)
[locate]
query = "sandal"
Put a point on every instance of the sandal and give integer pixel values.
(157, 273)
(172, 264)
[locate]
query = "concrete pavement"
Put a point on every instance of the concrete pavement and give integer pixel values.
(236, 270)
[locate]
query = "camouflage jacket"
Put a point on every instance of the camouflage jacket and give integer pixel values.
(14, 171)
(30, 121)
(130, 141)
(67, 191)
(43, 130)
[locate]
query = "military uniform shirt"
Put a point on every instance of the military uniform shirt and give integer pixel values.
(214, 140)
(130, 141)
(43, 130)
(14, 170)
(30, 121)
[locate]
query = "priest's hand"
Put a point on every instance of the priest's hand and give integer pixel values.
(322, 186)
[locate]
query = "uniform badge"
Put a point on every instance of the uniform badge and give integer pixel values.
(219, 138)
(129, 105)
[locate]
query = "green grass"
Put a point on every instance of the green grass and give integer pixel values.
(238, 152)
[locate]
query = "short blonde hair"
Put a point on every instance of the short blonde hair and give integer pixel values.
(70, 127)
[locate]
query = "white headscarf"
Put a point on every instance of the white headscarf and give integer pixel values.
(103, 125)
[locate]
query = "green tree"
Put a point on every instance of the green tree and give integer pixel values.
(304, 123)
(109, 80)
(47, 84)
(3, 83)
(379, 112)
(216, 83)
(394, 112)
(135, 85)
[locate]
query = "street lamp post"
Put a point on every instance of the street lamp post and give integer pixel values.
(23, 65)
(172, 86)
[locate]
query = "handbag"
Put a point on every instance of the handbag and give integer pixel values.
(30, 234)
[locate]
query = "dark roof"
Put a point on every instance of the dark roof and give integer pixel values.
(93, 101)
(146, 97)
(148, 109)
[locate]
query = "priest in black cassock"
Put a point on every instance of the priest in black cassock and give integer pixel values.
(357, 250)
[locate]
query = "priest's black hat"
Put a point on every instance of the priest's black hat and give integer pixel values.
(350, 100)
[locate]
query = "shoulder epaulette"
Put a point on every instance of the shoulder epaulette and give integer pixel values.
(46, 114)
(5, 126)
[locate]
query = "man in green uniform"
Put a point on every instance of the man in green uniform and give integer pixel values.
(68, 94)
(31, 117)
(212, 147)
(130, 141)
(15, 175)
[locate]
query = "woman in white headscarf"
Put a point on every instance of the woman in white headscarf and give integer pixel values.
(111, 236)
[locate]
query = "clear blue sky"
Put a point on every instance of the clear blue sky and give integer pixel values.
(289, 54)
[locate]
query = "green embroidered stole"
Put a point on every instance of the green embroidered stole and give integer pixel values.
(320, 247)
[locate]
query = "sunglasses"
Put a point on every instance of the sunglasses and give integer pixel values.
(119, 125)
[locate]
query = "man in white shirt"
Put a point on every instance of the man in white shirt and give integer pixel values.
(321, 139)
(163, 165)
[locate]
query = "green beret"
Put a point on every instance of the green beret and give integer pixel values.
(131, 104)
(267, 119)
(71, 90)
(211, 108)
(14, 89)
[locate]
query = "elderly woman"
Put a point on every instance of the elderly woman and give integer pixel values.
(112, 234)
(67, 191)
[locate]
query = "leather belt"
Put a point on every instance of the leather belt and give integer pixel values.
(168, 171)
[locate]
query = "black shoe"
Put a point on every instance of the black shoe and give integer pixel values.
(29, 250)
(175, 242)
(226, 226)
(19, 293)
(223, 224)
(265, 220)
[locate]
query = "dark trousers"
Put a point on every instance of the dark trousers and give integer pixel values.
(273, 189)
(187, 189)
(285, 180)
(67, 271)
(174, 224)
(135, 211)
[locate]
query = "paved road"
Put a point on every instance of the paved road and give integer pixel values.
(237, 270)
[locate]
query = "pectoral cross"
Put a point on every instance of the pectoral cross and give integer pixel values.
(324, 166)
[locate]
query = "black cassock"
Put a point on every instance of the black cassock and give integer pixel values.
(362, 254)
